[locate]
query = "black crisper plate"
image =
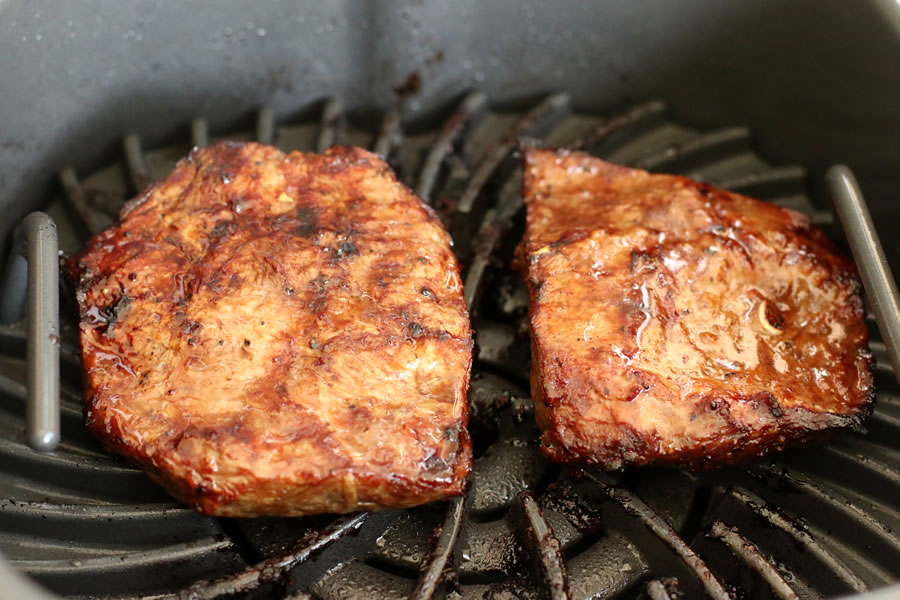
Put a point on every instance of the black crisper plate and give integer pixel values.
(806, 523)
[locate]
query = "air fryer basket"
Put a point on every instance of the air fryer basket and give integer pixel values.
(109, 95)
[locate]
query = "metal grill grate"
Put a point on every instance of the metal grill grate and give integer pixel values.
(803, 524)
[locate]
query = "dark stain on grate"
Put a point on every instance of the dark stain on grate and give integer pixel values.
(805, 525)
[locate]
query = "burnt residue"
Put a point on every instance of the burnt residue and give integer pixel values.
(487, 402)
(415, 330)
(345, 250)
(410, 87)
(768, 400)
(413, 82)
(585, 515)
(112, 313)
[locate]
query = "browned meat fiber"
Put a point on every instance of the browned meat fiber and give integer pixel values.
(271, 334)
(673, 322)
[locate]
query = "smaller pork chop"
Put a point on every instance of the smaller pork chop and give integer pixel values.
(673, 322)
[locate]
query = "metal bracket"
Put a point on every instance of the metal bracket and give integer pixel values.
(868, 252)
(31, 282)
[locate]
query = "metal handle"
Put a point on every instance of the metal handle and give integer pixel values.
(867, 250)
(37, 238)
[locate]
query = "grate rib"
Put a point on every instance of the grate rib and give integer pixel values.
(93, 219)
(659, 590)
(199, 133)
(265, 125)
(699, 150)
(667, 534)
(443, 145)
(858, 452)
(553, 568)
(781, 521)
(16, 336)
(830, 497)
(648, 112)
(12, 512)
(100, 565)
(275, 567)
(555, 104)
(495, 224)
(390, 135)
(134, 160)
(330, 125)
(887, 421)
(745, 550)
(431, 574)
(485, 241)
(16, 457)
(772, 182)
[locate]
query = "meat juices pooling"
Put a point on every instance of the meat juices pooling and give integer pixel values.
(673, 322)
(271, 334)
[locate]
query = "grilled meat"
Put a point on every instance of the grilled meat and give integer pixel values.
(673, 322)
(272, 334)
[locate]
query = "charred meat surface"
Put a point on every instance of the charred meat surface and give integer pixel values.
(673, 322)
(271, 334)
